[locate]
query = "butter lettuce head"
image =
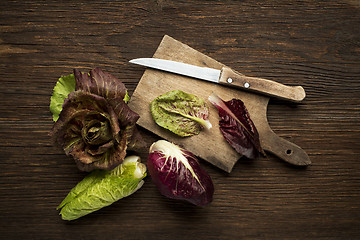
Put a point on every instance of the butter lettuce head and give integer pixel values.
(102, 188)
(95, 125)
(181, 113)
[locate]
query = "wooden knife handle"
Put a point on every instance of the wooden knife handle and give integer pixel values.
(265, 86)
(284, 149)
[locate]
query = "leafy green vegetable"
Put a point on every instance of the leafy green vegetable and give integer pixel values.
(95, 126)
(64, 86)
(126, 98)
(182, 113)
(102, 188)
(237, 127)
(178, 175)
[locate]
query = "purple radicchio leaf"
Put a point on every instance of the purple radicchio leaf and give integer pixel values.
(237, 127)
(96, 130)
(178, 174)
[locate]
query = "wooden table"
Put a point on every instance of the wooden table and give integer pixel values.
(315, 44)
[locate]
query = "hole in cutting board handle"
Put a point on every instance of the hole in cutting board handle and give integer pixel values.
(289, 152)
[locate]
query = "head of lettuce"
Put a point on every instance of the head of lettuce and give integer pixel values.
(93, 122)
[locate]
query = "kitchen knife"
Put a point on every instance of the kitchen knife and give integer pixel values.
(226, 76)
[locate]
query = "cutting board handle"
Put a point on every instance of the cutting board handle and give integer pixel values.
(284, 149)
(230, 77)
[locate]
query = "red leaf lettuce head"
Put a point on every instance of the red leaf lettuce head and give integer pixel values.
(96, 126)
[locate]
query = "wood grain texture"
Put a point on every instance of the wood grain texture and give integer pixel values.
(314, 44)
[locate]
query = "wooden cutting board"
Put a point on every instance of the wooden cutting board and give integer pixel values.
(209, 145)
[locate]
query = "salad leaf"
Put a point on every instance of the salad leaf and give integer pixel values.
(237, 127)
(100, 83)
(182, 113)
(63, 87)
(96, 130)
(178, 175)
(102, 188)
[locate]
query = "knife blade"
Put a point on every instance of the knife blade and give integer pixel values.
(226, 76)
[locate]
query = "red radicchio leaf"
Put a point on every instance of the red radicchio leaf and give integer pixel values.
(237, 127)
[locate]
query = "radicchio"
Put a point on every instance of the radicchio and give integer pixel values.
(237, 127)
(178, 175)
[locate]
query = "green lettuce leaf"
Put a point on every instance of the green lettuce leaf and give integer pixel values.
(182, 113)
(64, 86)
(126, 98)
(102, 188)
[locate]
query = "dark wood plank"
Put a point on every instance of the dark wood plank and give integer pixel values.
(310, 43)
